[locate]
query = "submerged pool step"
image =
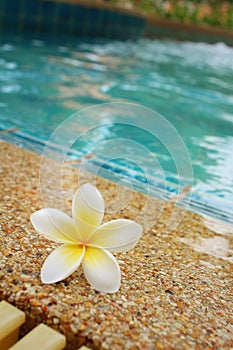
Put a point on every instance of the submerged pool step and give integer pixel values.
(41, 337)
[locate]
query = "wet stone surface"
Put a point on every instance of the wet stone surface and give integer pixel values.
(177, 287)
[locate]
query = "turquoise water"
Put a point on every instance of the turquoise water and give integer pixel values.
(42, 82)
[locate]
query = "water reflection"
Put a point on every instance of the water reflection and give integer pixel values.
(218, 247)
(189, 83)
(217, 226)
(217, 164)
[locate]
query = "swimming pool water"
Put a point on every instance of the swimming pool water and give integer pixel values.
(42, 82)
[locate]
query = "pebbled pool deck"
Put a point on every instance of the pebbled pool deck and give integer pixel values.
(176, 290)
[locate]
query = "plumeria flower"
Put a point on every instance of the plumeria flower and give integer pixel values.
(85, 241)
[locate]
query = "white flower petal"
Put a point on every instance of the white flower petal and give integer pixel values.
(62, 262)
(117, 236)
(87, 209)
(101, 270)
(55, 225)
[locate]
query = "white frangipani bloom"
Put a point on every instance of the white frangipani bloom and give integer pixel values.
(85, 241)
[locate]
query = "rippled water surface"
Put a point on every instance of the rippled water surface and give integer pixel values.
(42, 82)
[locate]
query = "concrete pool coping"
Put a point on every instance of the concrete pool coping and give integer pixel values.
(176, 290)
